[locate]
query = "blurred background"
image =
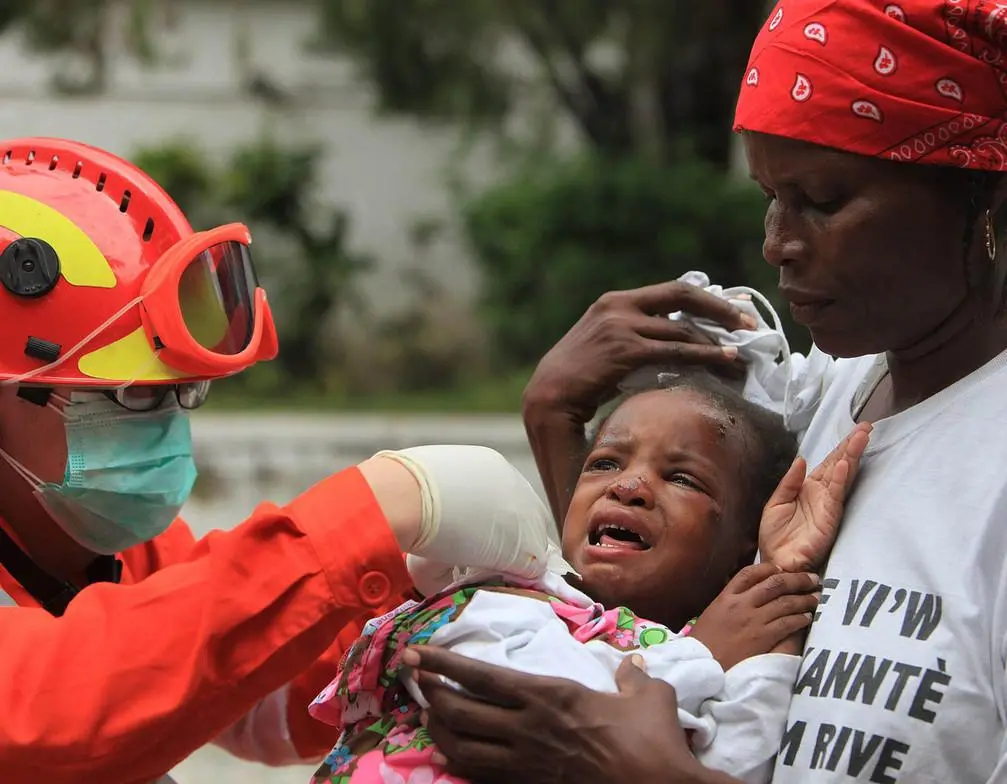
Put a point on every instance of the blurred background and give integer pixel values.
(437, 189)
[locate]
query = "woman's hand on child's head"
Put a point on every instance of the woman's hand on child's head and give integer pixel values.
(626, 330)
(801, 521)
(759, 609)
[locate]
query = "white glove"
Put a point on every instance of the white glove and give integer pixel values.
(478, 511)
(429, 577)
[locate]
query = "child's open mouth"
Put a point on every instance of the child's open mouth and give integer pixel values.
(617, 537)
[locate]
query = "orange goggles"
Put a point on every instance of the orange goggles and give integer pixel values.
(202, 308)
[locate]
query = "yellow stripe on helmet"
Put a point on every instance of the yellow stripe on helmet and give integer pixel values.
(80, 261)
(127, 359)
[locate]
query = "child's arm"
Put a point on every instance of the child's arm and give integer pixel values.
(736, 728)
(741, 729)
(756, 613)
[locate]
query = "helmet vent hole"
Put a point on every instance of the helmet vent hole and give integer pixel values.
(77, 169)
(148, 230)
(100, 186)
(31, 157)
(124, 204)
(7, 156)
(53, 163)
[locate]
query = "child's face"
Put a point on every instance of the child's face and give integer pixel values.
(649, 523)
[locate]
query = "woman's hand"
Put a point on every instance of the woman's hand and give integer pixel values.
(800, 522)
(760, 608)
(621, 332)
(625, 330)
(540, 730)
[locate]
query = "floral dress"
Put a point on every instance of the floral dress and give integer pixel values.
(382, 738)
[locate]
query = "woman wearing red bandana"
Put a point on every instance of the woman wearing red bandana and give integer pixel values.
(878, 133)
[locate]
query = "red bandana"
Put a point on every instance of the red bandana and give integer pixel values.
(919, 81)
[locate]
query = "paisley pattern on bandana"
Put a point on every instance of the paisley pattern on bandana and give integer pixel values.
(918, 81)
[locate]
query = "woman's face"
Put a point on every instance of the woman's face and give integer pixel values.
(870, 253)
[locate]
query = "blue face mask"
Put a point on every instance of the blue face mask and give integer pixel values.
(127, 474)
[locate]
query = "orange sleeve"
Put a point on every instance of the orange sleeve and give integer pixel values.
(133, 678)
(173, 546)
(311, 738)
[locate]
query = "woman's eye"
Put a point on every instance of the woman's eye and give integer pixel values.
(826, 206)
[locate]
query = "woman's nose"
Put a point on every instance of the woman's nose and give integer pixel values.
(782, 245)
(632, 490)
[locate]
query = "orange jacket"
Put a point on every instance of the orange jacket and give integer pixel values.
(136, 676)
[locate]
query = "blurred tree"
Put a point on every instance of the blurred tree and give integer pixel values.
(273, 186)
(633, 75)
(311, 269)
(651, 87)
(86, 30)
(551, 238)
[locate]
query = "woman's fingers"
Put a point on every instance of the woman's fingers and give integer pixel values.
(466, 756)
(673, 295)
(464, 713)
(498, 685)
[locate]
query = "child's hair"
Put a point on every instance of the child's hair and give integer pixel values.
(770, 447)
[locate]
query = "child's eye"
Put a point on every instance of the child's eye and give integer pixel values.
(603, 464)
(685, 480)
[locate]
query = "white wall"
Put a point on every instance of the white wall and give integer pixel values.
(387, 172)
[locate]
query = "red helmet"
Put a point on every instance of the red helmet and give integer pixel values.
(103, 282)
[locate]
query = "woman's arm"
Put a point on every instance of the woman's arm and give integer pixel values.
(559, 443)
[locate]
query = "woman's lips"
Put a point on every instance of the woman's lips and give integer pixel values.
(807, 313)
(806, 307)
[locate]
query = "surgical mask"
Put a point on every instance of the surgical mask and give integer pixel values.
(127, 474)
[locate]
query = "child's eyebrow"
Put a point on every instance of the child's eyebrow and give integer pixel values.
(616, 438)
(692, 457)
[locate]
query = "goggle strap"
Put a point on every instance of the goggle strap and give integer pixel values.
(136, 374)
(72, 352)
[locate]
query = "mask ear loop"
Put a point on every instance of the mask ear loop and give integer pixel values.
(29, 476)
(778, 328)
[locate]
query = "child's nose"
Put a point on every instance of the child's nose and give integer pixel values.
(632, 491)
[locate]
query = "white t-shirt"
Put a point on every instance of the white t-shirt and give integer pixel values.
(903, 676)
